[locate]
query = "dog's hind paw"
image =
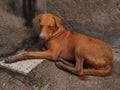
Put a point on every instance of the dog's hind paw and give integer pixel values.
(84, 78)
(59, 59)
(58, 65)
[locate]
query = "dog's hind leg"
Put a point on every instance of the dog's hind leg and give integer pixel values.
(99, 72)
(76, 69)
(64, 61)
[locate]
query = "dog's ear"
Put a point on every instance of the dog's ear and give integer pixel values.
(57, 20)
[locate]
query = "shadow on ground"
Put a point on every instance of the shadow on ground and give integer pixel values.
(47, 77)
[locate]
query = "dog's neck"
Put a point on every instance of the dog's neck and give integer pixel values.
(60, 33)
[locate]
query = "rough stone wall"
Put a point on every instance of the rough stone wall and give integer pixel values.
(12, 6)
(97, 18)
(13, 33)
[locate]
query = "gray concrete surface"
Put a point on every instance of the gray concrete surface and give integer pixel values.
(47, 77)
(22, 67)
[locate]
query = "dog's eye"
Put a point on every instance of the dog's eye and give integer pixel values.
(50, 27)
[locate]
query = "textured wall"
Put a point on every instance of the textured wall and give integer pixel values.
(98, 18)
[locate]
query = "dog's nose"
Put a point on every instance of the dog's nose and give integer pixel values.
(42, 36)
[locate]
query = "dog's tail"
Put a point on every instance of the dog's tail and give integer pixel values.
(101, 72)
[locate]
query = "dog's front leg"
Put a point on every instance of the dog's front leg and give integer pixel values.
(32, 55)
(50, 54)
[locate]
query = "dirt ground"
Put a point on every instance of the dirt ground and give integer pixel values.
(47, 76)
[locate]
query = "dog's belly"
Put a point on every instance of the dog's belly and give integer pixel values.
(67, 55)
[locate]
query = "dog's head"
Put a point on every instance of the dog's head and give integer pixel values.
(49, 25)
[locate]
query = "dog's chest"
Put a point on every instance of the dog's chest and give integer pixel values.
(67, 51)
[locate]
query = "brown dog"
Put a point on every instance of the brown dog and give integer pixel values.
(85, 50)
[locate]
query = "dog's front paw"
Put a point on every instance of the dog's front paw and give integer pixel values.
(10, 59)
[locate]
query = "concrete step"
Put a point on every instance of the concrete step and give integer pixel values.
(22, 67)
